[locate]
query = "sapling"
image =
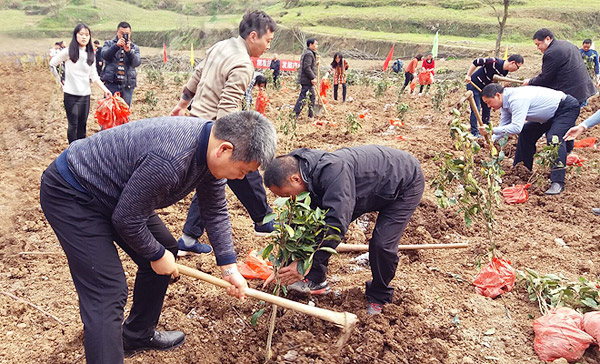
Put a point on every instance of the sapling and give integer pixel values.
(352, 123)
(545, 160)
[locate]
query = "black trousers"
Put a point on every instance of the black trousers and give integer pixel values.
(251, 193)
(383, 247)
(85, 232)
(563, 119)
(335, 92)
(408, 77)
(302, 96)
(78, 108)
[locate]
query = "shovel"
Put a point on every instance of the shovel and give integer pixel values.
(342, 247)
(498, 78)
(319, 104)
(344, 320)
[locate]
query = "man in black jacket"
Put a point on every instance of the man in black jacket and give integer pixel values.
(307, 76)
(121, 58)
(275, 66)
(99, 60)
(350, 182)
(563, 69)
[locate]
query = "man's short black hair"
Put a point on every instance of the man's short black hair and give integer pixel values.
(277, 172)
(491, 90)
(260, 80)
(587, 41)
(257, 21)
(517, 58)
(543, 34)
(310, 41)
(123, 24)
(96, 41)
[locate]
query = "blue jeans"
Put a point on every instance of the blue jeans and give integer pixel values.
(126, 91)
(481, 107)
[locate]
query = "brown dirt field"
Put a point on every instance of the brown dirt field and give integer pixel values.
(433, 287)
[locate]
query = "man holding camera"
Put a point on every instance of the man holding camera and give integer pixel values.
(121, 57)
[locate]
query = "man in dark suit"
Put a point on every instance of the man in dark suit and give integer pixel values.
(563, 68)
(99, 60)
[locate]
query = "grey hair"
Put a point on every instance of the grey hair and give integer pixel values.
(253, 136)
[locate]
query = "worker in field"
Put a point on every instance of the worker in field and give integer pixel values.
(105, 189)
(307, 78)
(531, 112)
(411, 71)
(348, 183)
(217, 88)
(481, 73)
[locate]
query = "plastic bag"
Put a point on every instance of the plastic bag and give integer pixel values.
(591, 324)
(516, 194)
(112, 111)
(261, 102)
(559, 334)
(496, 278)
(255, 267)
(413, 84)
(325, 85)
(586, 143)
(425, 78)
(574, 160)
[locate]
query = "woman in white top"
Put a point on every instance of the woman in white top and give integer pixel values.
(80, 71)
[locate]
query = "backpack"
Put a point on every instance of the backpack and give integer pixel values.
(397, 66)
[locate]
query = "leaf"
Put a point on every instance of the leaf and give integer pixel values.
(280, 201)
(269, 217)
(289, 230)
(256, 316)
(491, 331)
(590, 302)
(328, 249)
(301, 267)
(267, 251)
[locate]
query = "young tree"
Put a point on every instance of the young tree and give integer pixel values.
(501, 22)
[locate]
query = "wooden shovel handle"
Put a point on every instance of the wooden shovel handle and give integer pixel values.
(498, 78)
(345, 320)
(365, 248)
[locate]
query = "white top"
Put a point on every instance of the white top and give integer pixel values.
(78, 76)
(527, 103)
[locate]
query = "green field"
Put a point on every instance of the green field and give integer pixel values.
(470, 24)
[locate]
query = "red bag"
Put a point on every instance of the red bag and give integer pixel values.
(261, 102)
(585, 143)
(573, 159)
(255, 267)
(496, 278)
(591, 324)
(516, 194)
(112, 111)
(559, 334)
(425, 78)
(325, 85)
(413, 84)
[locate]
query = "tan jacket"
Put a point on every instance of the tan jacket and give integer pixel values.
(218, 84)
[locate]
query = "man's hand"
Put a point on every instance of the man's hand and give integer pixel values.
(127, 47)
(107, 94)
(526, 82)
(313, 81)
(467, 79)
(288, 275)
(574, 132)
(180, 108)
(165, 265)
(121, 42)
(238, 282)
(483, 130)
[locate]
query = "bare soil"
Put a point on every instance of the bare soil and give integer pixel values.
(435, 317)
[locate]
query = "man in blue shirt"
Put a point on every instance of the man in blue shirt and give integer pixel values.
(532, 111)
(590, 56)
(106, 188)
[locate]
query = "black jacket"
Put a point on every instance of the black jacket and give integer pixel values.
(564, 70)
(99, 61)
(111, 53)
(308, 67)
(275, 66)
(352, 181)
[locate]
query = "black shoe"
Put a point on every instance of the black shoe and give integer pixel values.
(162, 340)
(596, 211)
(555, 189)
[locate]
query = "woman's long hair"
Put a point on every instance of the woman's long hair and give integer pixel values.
(74, 46)
(334, 64)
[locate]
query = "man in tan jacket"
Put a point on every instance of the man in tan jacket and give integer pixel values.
(215, 89)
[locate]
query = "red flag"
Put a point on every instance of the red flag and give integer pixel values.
(165, 53)
(388, 59)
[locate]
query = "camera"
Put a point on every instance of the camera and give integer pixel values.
(126, 37)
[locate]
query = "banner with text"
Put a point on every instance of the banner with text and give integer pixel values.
(286, 65)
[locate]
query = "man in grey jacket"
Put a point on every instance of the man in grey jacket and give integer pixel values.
(350, 182)
(106, 188)
(307, 77)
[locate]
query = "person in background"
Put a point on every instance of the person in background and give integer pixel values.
(339, 66)
(275, 66)
(426, 76)
(121, 57)
(54, 50)
(590, 56)
(79, 72)
(307, 77)
(486, 69)
(348, 183)
(258, 80)
(99, 60)
(411, 70)
(532, 111)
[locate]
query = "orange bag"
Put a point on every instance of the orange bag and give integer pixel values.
(112, 111)
(325, 85)
(573, 159)
(413, 84)
(559, 334)
(591, 324)
(585, 143)
(425, 78)
(496, 278)
(261, 102)
(255, 267)
(516, 194)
